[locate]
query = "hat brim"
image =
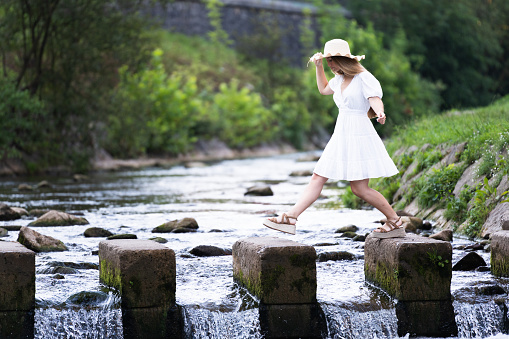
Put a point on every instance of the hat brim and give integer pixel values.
(357, 57)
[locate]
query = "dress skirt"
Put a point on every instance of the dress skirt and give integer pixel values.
(355, 150)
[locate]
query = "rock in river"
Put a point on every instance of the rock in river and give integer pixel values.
(122, 236)
(209, 251)
(259, 191)
(177, 226)
(96, 232)
(445, 235)
(57, 218)
(39, 243)
(341, 255)
(469, 262)
(347, 228)
(7, 213)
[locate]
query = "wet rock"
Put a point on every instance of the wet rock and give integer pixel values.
(322, 244)
(195, 164)
(87, 298)
(7, 213)
(80, 178)
(159, 240)
(95, 252)
(12, 227)
(445, 235)
(25, 188)
(215, 230)
(3, 232)
(301, 173)
(474, 247)
(347, 228)
(426, 226)
(309, 157)
(483, 269)
(57, 218)
(490, 290)
(209, 251)
(97, 232)
(21, 211)
(335, 256)
(459, 247)
(259, 191)
(122, 236)
(177, 226)
(37, 242)
(44, 184)
(469, 262)
(79, 266)
(359, 237)
(63, 270)
(500, 253)
(37, 212)
(350, 235)
(403, 213)
(58, 276)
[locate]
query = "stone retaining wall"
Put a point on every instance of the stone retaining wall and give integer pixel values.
(500, 253)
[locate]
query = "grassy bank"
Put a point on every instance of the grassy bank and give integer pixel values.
(476, 140)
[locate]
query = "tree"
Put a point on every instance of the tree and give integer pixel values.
(66, 54)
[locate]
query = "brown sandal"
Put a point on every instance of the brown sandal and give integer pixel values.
(283, 226)
(394, 231)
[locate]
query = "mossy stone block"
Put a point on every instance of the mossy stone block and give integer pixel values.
(17, 277)
(500, 254)
(277, 271)
(412, 268)
(143, 271)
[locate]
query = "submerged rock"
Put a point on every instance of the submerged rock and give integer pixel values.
(122, 236)
(159, 240)
(347, 228)
(37, 212)
(350, 235)
(63, 270)
(445, 235)
(490, 290)
(87, 298)
(259, 191)
(96, 232)
(38, 242)
(57, 218)
(209, 251)
(3, 232)
(177, 226)
(25, 187)
(469, 262)
(359, 237)
(7, 213)
(335, 256)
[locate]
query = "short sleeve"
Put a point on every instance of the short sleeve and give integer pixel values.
(335, 82)
(370, 86)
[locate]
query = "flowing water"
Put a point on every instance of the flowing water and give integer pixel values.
(213, 306)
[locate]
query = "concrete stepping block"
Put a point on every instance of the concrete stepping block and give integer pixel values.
(143, 271)
(17, 277)
(500, 253)
(412, 268)
(276, 270)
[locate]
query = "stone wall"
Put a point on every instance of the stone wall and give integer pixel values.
(270, 29)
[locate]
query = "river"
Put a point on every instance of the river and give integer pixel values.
(213, 305)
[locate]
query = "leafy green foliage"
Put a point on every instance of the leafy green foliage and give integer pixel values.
(21, 116)
(437, 186)
(241, 118)
(153, 111)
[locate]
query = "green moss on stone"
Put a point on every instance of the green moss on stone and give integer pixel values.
(269, 280)
(110, 275)
(499, 266)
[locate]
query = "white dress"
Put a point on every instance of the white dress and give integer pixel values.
(355, 150)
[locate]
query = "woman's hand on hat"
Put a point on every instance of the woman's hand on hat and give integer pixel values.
(381, 117)
(317, 58)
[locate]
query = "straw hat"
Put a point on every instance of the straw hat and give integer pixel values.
(336, 47)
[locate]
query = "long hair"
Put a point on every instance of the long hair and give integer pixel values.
(348, 67)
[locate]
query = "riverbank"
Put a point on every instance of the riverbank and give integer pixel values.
(453, 170)
(203, 151)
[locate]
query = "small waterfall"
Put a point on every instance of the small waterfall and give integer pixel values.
(206, 324)
(480, 320)
(346, 323)
(78, 323)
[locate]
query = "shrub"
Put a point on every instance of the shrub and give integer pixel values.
(437, 187)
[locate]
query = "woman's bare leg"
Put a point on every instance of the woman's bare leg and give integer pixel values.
(361, 189)
(307, 197)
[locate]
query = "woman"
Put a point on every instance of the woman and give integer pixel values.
(354, 152)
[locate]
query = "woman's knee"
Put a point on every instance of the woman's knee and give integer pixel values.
(358, 188)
